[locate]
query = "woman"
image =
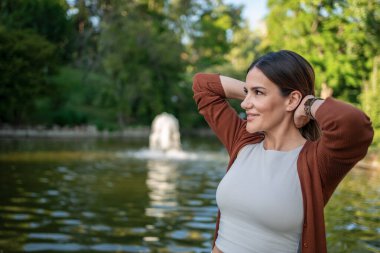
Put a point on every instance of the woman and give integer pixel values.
(283, 168)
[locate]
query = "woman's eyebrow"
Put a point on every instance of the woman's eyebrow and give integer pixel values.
(253, 88)
(257, 88)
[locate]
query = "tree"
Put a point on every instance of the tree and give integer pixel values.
(335, 36)
(370, 99)
(26, 61)
(211, 33)
(85, 16)
(48, 18)
(142, 57)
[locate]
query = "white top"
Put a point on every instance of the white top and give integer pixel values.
(260, 201)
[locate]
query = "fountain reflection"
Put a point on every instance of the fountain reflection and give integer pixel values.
(161, 181)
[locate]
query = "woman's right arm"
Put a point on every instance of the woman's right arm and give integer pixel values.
(233, 88)
(210, 94)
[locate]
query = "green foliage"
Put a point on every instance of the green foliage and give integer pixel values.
(75, 99)
(244, 49)
(370, 99)
(26, 61)
(338, 37)
(211, 35)
(48, 18)
(142, 58)
(84, 47)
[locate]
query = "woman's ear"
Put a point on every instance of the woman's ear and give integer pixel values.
(294, 98)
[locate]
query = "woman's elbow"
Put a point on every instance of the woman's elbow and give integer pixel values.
(197, 81)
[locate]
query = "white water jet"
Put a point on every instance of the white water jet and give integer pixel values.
(164, 135)
(165, 144)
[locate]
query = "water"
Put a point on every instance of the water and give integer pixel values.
(114, 196)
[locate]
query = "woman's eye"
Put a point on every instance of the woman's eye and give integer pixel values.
(257, 92)
(245, 91)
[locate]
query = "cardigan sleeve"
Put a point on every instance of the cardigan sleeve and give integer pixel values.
(346, 135)
(211, 100)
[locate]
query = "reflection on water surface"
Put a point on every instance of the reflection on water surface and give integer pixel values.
(93, 195)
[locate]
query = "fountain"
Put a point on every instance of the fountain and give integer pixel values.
(164, 135)
(165, 143)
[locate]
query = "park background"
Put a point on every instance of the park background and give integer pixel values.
(91, 70)
(117, 64)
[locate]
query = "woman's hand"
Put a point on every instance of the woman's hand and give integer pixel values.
(300, 117)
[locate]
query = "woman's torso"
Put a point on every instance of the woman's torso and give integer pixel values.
(260, 200)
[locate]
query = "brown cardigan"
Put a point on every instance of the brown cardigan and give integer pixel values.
(346, 136)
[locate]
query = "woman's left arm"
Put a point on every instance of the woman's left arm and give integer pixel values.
(346, 135)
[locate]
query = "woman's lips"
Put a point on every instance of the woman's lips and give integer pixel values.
(251, 116)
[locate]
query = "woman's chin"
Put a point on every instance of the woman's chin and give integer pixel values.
(252, 129)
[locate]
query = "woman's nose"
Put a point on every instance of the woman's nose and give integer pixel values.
(246, 104)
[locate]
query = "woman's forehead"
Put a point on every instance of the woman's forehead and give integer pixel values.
(256, 78)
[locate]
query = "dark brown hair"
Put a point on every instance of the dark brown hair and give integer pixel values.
(290, 72)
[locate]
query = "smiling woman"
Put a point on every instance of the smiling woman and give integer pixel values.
(287, 85)
(283, 171)
(265, 107)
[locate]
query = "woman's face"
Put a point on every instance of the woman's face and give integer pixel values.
(264, 105)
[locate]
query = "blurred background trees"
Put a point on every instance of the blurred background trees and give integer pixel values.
(339, 38)
(117, 63)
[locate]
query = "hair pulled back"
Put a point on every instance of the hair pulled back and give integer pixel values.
(290, 72)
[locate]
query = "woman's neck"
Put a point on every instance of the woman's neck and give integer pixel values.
(283, 139)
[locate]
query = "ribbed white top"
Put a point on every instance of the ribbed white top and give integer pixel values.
(260, 200)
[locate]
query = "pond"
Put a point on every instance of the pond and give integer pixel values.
(108, 195)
